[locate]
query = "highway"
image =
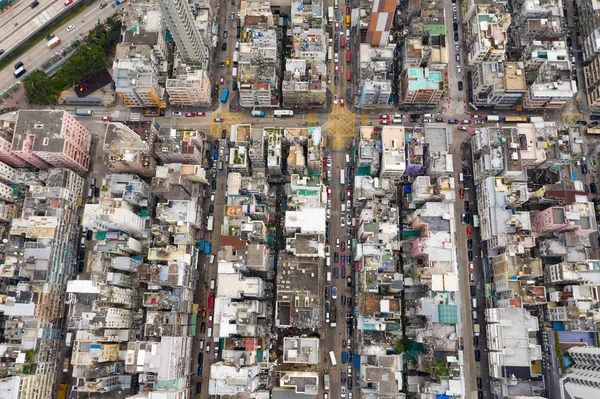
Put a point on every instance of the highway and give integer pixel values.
(35, 57)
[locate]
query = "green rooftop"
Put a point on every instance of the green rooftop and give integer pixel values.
(437, 29)
(485, 18)
(424, 79)
(448, 314)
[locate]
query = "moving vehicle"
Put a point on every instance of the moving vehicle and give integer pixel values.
(348, 75)
(83, 112)
(258, 114)
(211, 300)
(20, 71)
(55, 41)
(224, 96)
(332, 358)
(282, 113)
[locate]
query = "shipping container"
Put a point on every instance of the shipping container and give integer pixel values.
(348, 75)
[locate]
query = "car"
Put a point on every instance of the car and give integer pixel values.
(453, 121)
(336, 69)
(477, 355)
(336, 257)
(343, 301)
(208, 347)
(106, 118)
(189, 115)
(473, 132)
(342, 222)
(232, 15)
(222, 80)
(479, 383)
(348, 257)
(348, 194)
(211, 208)
(469, 231)
(200, 368)
(383, 116)
(475, 341)
(466, 206)
(336, 80)
(385, 122)
(343, 246)
(176, 113)
(341, 101)
(463, 128)
(349, 281)
(213, 184)
(349, 302)
(593, 188)
(426, 120)
(50, 36)
(461, 193)
(343, 391)
(70, 28)
(337, 15)
(219, 120)
(469, 243)
(343, 373)
(460, 85)
(470, 255)
(224, 47)
(211, 316)
(337, 25)
(328, 192)
(464, 219)
(329, 162)
(349, 219)
(583, 123)
(335, 99)
(327, 250)
(326, 292)
(102, 5)
(347, 10)
(349, 384)
(348, 205)
(592, 124)
(198, 387)
(455, 36)
(225, 34)
(466, 122)
(337, 242)
(68, 2)
(336, 272)
(334, 293)
(440, 119)
(328, 213)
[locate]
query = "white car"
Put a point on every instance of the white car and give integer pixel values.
(327, 251)
(328, 161)
(343, 392)
(335, 99)
(328, 213)
(342, 222)
(176, 113)
(70, 28)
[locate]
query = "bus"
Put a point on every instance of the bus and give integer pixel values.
(475, 220)
(282, 113)
(209, 225)
(224, 95)
(348, 75)
(330, 53)
(515, 118)
(348, 56)
(19, 72)
(342, 177)
(332, 358)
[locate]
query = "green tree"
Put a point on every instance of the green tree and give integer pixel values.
(399, 347)
(38, 87)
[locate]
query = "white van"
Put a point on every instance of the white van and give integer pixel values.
(474, 316)
(474, 303)
(328, 261)
(210, 331)
(329, 277)
(347, 158)
(211, 259)
(212, 284)
(461, 178)
(343, 207)
(428, 116)
(82, 242)
(69, 339)
(212, 196)
(237, 45)
(202, 343)
(396, 120)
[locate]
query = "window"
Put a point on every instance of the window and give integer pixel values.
(46, 141)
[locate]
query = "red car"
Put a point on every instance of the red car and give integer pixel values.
(462, 128)
(200, 113)
(461, 193)
(348, 194)
(190, 114)
(222, 81)
(469, 231)
(384, 122)
(219, 120)
(68, 2)
(472, 133)
(343, 247)
(337, 26)
(341, 101)
(210, 317)
(385, 116)
(343, 343)
(337, 69)
(477, 116)
(347, 10)
(107, 118)
(328, 192)
(466, 122)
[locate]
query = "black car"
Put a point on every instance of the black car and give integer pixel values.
(199, 387)
(213, 184)
(414, 120)
(415, 116)
(234, 86)
(595, 117)
(224, 47)
(349, 330)
(476, 341)
(349, 302)
(470, 255)
(80, 267)
(326, 292)
(584, 168)
(473, 290)
(200, 357)
(18, 65)
(336, 80)
(440, 119)
(350, 383)
(469, 243)
(211, 209)
(336, 257)
(453, 121)
(460, 85)
(343, 301)
(592, 124)
(348, 260)
(593, 188)
(343, 271)
(327, 306)
(569, 42)
(466, 206)
(479, 384)
(203, 327)
(455, 36)
(479, 395)
(477, 355)
(89, 234)
(455, 27)
(343, 377)
(335, 272)
(350, 357)
(583, 123)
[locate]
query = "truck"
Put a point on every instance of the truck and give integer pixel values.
(207, 247)
(234, 72)
(344, 357)
(330, 31)
(55, 41)
(258, 114)
(332, 316)
(236, 57)
(211, 300)
(210, 223)
(330, 15)
(326, 381)
(476, 330)
(493, 118)
(201, 245)
(83, 112)
(347, 21)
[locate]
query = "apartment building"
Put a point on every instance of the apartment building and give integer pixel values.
(189, 87)
(423, 86)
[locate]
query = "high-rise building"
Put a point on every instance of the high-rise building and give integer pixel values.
(583, 380)
(180, 21)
